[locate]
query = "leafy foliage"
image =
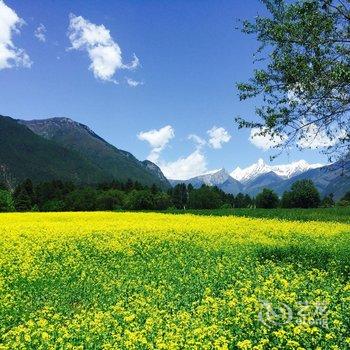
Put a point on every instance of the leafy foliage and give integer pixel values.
(328, 201)
(115, 195)
(305, 81)
(267, 199)
(140, 200)
(205, 198)
(303, 194)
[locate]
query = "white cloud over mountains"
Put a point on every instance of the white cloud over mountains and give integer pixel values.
(104, 53)
(157, 139)
(314, 138)
(265, 141)
(184, 167)
(10, 55)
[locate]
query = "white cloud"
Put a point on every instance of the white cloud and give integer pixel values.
(133, 83)
(10, 55)
(134, 63)
(218, 136)
(157, 139)
(40, 33)
(185, 168)
(313, 138)
(267, 141)
(200, 143)
(104, 53)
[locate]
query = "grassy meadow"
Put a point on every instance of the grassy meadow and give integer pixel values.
(104, 280)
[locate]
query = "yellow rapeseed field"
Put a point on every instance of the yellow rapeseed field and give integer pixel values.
(107, 280)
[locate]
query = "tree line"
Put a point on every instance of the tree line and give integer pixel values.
(131, 195)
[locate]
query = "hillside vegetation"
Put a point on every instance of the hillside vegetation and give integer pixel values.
(24, 154)
(115, 163)
(62, 149)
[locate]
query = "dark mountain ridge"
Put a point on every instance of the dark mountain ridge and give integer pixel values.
(24, 154)
(117, 164)
(60, 148)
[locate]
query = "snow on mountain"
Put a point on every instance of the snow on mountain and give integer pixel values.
(285, 171)
(215, 177)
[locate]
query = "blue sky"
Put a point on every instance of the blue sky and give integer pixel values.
(188, 58)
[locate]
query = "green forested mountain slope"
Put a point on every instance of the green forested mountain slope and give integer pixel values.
(115, 163)
(23, 154)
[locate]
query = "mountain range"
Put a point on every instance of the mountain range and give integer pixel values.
(284, 171)
(219, 178)
(332, 178)
(60, 148)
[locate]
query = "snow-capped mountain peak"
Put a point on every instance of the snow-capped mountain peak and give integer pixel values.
(285, 171)
(254, 170)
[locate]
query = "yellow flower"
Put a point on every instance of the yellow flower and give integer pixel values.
(245, 344)
(129, 318)
(45, 336)
(151, 280)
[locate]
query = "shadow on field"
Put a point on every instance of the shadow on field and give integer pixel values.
(332, 255)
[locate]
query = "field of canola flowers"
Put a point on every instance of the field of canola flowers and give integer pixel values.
(160, 281)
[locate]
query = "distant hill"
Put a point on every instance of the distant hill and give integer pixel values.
(113, 162)
(24, 154)
(61, 148)
(219, 178)
(334, 178)
(265, 180)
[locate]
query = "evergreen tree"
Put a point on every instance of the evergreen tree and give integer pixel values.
(84, 199)
(22, 200)
(24, 196)
(240, 201)
(6, 201)
(110, 200)
(180, 196)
